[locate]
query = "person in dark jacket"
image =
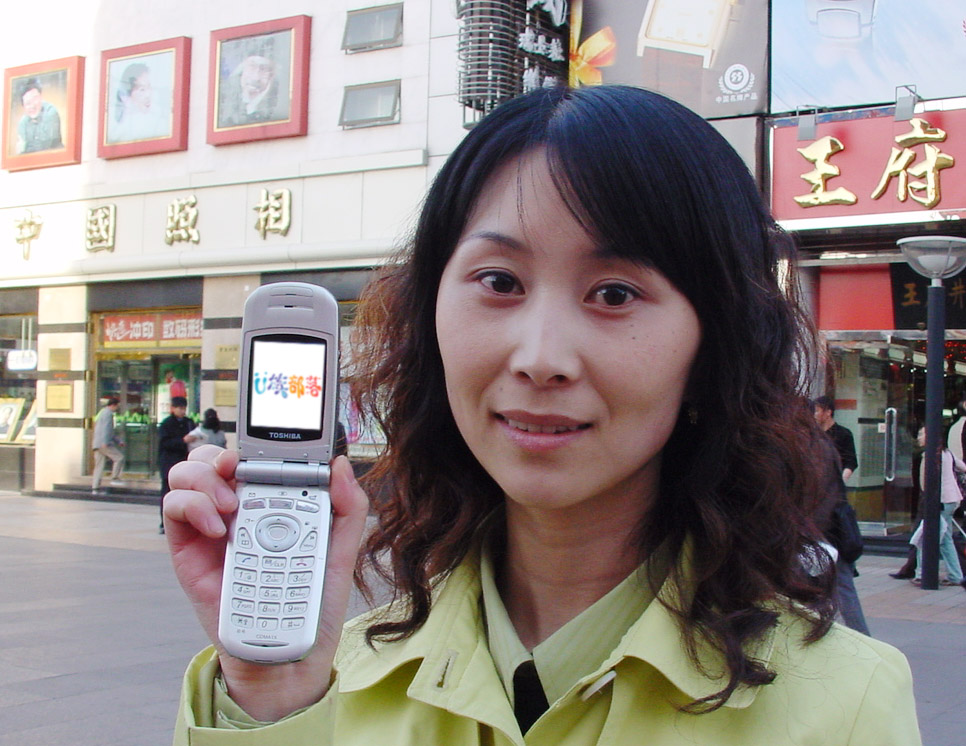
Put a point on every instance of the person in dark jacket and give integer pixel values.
(172, 446)
(841, 436)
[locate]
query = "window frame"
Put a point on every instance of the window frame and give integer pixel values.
(384, 43)
(371, 121)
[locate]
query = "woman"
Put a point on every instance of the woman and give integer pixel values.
(208, 432)
(602, 473)
(141, 112)
(950, 497)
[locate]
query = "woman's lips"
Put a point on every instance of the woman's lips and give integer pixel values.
(540, 432)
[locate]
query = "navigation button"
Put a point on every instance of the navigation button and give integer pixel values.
(276, 533)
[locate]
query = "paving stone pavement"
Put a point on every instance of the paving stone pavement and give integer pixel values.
(95, 633)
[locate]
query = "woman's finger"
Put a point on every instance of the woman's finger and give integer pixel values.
(350, 506)
(214, 478)
(185, 506)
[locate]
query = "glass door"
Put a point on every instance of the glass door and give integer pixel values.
(878, 382)
(131, 380)
(145, 384)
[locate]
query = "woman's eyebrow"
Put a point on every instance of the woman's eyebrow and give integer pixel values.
(495, 237)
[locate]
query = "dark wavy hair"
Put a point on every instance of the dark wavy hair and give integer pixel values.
(657, 184)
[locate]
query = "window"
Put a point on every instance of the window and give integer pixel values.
(18, 382)
(373, 28)
(366, 105)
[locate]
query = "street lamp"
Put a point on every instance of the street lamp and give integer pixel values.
(935, 257)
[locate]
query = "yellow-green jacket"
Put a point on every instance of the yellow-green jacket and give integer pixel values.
(440, 688)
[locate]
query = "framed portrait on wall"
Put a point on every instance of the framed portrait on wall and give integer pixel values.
(143, 99)
(42, 114)
(9, 416)
(258, 81)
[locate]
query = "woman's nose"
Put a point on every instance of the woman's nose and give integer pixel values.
(546, 344)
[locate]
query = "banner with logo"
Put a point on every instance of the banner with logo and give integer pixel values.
(711, 55)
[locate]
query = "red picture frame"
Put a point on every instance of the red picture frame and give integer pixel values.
(143, 98)
(258, 81)
(45, 128)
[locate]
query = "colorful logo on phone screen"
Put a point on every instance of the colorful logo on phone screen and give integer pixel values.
(284, 385)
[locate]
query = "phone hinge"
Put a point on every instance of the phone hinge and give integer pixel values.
(290, 473)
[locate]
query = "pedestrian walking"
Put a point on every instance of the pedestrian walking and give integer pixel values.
(106, 444)
(599, 477)
(951, 497)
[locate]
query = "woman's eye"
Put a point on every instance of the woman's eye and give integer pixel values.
(499, 282)
(614, 295)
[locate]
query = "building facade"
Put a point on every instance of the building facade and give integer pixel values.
(297, 144)
(158, 167)
(286, 142)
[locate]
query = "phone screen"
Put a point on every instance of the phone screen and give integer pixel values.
(287, 387)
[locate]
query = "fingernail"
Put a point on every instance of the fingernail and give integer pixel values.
(216, 527)
(350, 470)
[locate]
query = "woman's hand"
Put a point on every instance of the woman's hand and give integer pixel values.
(196, 511)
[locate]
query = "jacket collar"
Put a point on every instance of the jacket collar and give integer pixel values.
(656, 638)
(452, 643)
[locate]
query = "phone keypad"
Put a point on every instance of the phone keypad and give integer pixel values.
(273, 578)
(268, 613)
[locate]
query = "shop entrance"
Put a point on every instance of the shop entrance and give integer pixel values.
(145, 383)
(878, 380)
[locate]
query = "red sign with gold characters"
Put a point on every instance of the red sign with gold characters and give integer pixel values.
(165, 329)
(872, 165)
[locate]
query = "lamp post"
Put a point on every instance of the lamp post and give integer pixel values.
(935, 257)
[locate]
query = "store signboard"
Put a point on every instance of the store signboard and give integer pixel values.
(866, 168)
(146, 330)
(22, 360)
(840, 53)
(711, 55)
(909, 293)
(179, 329)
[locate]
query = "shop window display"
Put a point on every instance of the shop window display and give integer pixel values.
(18, 394)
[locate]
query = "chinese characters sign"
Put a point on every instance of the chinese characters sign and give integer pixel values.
(542, 44)
(909, 292)
(872, 165)
(26, 229)
(99, 234)
(182, 221)
(274, 211)
(166, 329)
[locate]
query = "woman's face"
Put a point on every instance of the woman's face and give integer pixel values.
(141, 92)
(565, 366)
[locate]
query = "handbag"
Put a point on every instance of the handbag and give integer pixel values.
(844, 532)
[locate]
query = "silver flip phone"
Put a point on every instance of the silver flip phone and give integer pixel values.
(271, 593)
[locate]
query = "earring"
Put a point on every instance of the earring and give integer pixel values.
(692, 414)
